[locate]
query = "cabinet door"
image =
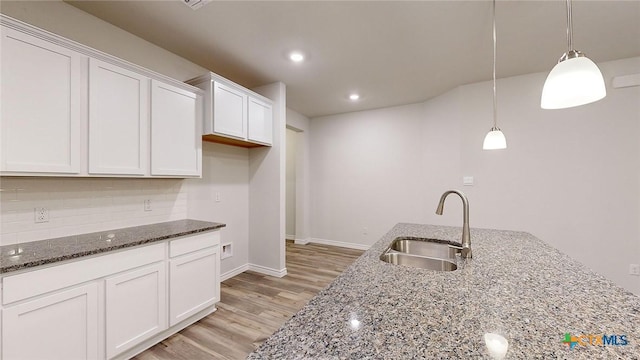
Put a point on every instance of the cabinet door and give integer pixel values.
(135, 307)
(194, 283)
(41, 105)
(62, 326)
(229, 111)
(118, 120)
(260, 121)
(176, 140)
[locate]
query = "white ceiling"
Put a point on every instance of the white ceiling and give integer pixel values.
(391, 52)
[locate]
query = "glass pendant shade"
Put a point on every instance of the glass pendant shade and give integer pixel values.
(573, 82)
(494, 140)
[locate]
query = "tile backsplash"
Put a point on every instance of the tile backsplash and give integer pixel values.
(82, 205)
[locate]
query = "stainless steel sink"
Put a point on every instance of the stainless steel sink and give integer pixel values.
(418, 261)
(422, 253)
(425, 247)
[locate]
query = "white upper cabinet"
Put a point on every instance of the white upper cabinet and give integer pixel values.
(229, 111)
(118, 120)
(260, 121)
(69, 110)
(233, 114)
(41, 105)
(176, 145)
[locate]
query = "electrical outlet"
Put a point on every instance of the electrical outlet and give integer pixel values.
(147, 205)
(634, 269)
(41, 215)
(217, 197)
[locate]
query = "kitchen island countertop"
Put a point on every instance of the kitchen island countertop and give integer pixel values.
(516, 286)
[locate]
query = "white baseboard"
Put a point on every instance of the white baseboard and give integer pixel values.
(340, 244)
(233, 272)
(283, 272)
(290, 237)
(302, 241)
(267, 271)
(253, 267)
(128, 354)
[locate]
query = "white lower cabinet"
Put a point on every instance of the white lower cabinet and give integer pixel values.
(136, 307)
(194, 283)
(109, 306)
(62, 326)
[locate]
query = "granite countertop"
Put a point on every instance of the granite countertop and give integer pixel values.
(25, 255)
(515, 286)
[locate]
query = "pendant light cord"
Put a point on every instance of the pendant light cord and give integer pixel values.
(569, 26)
(495, 97)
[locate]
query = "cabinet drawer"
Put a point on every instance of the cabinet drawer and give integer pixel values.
(193, 243)
(37, 282)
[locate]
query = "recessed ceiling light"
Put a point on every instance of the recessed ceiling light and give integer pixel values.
(296, 57)
(354, 97)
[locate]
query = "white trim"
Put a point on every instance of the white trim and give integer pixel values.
(302, 241)
(340, 244)
(267, 271)
(233, 272)
(290, 237)
(45, 35)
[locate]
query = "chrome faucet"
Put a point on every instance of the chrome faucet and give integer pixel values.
(466, 237)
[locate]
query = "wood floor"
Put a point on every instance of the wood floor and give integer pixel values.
(253, 306)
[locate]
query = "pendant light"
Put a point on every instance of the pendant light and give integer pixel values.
(495, 139)
(575, 80)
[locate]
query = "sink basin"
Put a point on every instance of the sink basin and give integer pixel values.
(425, 247)
(397, 258)
(422, 253)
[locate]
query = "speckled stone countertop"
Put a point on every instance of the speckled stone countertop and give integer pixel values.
(515, 286)
(25, 255)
